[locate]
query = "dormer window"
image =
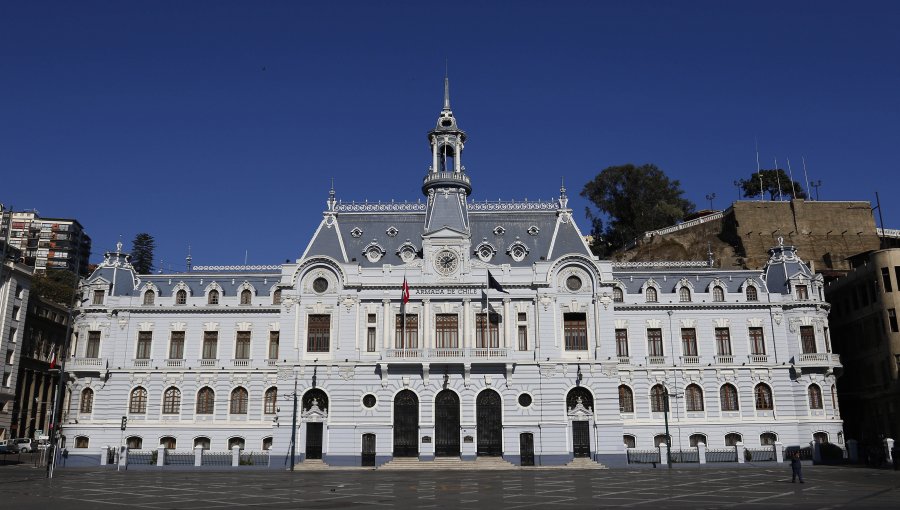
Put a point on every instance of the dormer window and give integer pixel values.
(276, 297)
(684, 295)
(98, 297)
(181, 297)
(149, 297)
(618, 295)
(651, 295)
(213, 297)
(246, 297)
(373, 252)
(518, 251)
(718, 294)
(751, 293)
(802, 292)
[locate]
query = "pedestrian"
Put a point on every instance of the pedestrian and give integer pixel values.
(65, 455)
(795, 468)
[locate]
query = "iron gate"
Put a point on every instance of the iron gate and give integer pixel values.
(368, 450)
(526, 449)
(313, 440)
(581, 439)
(490, 423)
(406, 424)
(446, 424)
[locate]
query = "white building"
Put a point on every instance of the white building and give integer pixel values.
(576, 358)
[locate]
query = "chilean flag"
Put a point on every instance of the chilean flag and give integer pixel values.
(404, 296)
(53, 360)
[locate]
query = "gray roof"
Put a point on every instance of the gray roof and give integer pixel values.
(783, 265)
(700, 279)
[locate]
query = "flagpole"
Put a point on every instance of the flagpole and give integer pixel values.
(403, 313)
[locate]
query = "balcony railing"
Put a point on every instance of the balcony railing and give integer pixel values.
(724, 360)
(758, 358)
(820, 358)
(87, 362)
(209, 362)
(447, 352)
(404, 353)
(174, 363)
(243, 362)
(141, 363)
(271, 362)
(624, 360)
(656, 360)
(690, 360)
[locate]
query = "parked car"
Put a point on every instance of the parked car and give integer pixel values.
(25, 445)
(8, 447)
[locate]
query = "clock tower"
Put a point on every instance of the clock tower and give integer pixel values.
(446, 235)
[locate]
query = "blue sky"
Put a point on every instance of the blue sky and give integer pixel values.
(220, 124)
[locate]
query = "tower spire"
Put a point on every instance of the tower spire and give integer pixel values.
(446, 89)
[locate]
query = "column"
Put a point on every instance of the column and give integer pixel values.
(104, 455)
(387, 324)
(467, 329)
(507, 323)
(235, 456)
(198, 455)
(663, 454)
(434, 154)
(779, 452)
(457, 147)
(161, 455)
(701, 452)
(739, 450)
(427, 342)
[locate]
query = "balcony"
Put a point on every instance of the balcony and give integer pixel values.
(141, 363)
(819, 359)
(174, 363)
(690, 360)
(758, 358)
(271, 362)
(656, 360)
(444, 353)
(209, 362)
(86, 365)
(724, 360)
(624, 360)
(241, 363)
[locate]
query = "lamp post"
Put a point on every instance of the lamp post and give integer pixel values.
(737, 184)
(711, 197)
(816, 184)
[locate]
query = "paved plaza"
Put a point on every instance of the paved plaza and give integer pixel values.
(23, 487)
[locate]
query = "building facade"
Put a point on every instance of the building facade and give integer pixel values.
(15, 283)
(48, 243)
(515, 341)
(866, 334)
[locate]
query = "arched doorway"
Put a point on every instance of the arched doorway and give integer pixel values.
(314, 413)
(489, 415)
(446, 424)
(580, 411)
(406, 424)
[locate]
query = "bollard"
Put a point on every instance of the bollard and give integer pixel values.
(160, 455)
(739, 451)
(663, 454)
(198, 455)
(235, 456)
(779, 452)
(123, 456)
(701, 452)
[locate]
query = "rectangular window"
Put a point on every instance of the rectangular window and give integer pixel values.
(892, 318)
(886, 279)
(689, 341)
(370, 340)
(98, 297)
(274, 337)
(575, 331)
(242, 345)
(654, 342)
(12, 335)
(406, 338)
(176, 345)
(723, 342)
(622, 342)
(446, 331)
(318, 334)
(93, 345)
(757, 342)
(827, 339)
(802, 293)
(807, 339)
(487, 333)
(523, 338)
(210, 344)
(897, 274)
(145, 339)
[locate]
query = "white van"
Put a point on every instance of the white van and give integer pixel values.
(25, 444)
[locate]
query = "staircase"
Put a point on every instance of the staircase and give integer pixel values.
(584, 463)
(446, 464)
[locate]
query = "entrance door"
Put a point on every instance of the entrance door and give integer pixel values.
(313, 440)
(446, 424)
(406, 424)
(581, 439)
(490, 423)
(368, 450)
(526, 448)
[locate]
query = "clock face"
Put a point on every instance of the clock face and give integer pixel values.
(446, 262)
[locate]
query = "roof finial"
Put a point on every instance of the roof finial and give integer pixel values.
(331, 200)
(446, 86)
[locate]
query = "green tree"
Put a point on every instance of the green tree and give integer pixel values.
(632, 199)
(142, 253)
(56, 285)
(772, 181)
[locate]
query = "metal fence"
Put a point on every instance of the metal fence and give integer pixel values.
(142, 457)
(686, 456)
(760, 454)
(254, 458)
(642, 456)
(805, 452)
(174, 458)
(723, 455)
(216, 458)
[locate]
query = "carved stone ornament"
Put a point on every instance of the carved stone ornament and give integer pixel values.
(579, 412)
(314, 414)
(533, 230)
(499, 230)
(392, 231)
(346, 373)
(356, 232)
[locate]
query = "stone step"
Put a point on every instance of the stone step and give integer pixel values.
(584, 463)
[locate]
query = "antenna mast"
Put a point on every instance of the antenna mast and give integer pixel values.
(806, 177)
(758, 171)
(778, 179)
(793, 190)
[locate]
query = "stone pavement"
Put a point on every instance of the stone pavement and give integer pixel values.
(23, 487)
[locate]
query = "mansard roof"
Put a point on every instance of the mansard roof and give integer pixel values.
(668, 279)
(784, 265)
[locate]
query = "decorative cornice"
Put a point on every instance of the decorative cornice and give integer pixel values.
(237, 268)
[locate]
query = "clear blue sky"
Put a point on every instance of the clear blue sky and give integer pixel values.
(220, 124)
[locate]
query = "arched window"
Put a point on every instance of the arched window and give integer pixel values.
(651, 295)
(752, 294)
(267, 444)
(168, 442)
(81, 442)
(659, 439)
(718, 294)
(181, 297)
(149, 297)
(626, 399)
(732, 439)
(206, 400)
(728, 398)
(246, 297)
(815, 396)
(138, 402)
(276, 297)
(579, 395)
(820, 437)
(658, 398)
(87, 401)
(763, 395)
(134, 443)
(767, 439)
(202, 442)
(236, 441)
(694, 398)
(213, 297)
(834, 398)
(684, 295)
(618, 295)
(270, 400)
(172, 401)
(238, 401)
(696, 439)
(629, 441)
(316, 396)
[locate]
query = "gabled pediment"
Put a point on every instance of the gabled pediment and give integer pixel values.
(446, 233)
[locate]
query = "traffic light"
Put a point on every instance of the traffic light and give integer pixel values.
(124, 422)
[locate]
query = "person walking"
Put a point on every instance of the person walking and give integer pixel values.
(795, 468)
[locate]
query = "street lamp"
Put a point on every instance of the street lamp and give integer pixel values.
(666, 417)
(711, 197)
(816, 184)
(737, 184)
